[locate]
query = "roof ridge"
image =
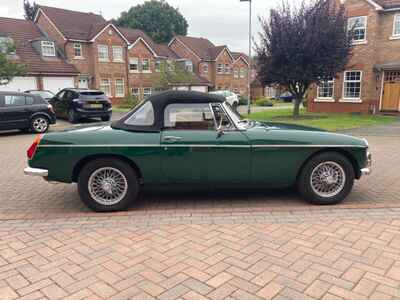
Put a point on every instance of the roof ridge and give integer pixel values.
(70, 10)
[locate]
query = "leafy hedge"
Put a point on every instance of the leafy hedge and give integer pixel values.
(264, 102)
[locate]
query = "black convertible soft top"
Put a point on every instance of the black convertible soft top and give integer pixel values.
(160, 102)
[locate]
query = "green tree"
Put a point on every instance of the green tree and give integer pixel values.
(174, 74)
(9, 69)
(30, 10)
(157, 19)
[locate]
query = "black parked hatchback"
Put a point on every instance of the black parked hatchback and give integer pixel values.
(76, 104)
(25, 112)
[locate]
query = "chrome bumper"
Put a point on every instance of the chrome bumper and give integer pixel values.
(365, 171)
(368, 169)
(36, 172)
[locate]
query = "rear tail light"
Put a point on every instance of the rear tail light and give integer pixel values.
(32, 149)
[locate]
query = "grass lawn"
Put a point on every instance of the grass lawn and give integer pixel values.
(120, 109)
(331, 122)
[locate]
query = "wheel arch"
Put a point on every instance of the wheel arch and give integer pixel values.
(81, 163)
(40, 113)
(341, 151)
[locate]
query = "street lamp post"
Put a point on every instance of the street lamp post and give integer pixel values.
(249, 61)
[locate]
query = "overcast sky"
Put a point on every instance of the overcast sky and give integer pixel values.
(221, 21)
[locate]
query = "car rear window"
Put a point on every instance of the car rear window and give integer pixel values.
(92, 95)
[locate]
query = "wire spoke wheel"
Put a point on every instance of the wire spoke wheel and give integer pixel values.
(328, 179)
(107, 186)
(40, 124)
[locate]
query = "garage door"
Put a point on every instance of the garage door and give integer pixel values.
(203, 89)
(56, 84)
(20, 84)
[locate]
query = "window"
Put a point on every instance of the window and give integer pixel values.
(119, 87)
(396, 26)
(352, 85)
(48, 48)
(144, 116)
(146, 92)
(134, 65)
(14, 100)
(205, 68)
(105, 86)
(118, 54)
(189, 66)
(78, 50)
(221, 118)
(358, 26)
(326, 89)
(188, 117)
(235, 73)
(157, 66)
(146, 65)
(135, 92)
(29, 100)
(103, 53)
(243, 72)
(220, 69)
(227, 69)
(270, 92)
(171, 66)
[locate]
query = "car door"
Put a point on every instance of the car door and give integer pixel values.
(195, 152)
(15, 112)
(61, 103)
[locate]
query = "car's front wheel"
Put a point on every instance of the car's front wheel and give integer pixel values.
(327, 178)
(107, 185)
(39, 124)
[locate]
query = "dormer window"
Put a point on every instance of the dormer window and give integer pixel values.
(48, 48)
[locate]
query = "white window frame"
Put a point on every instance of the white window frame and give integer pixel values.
(118, 59)
(170, 66)
(235, 73)
(148, 94)
(363, 41)
(347, 99)
(242, 73)
(189, 66)
(220, 69)
(396, 20)
(134, 61)
(104, 48)
(108, 86)
(50, 47)
(157, 66)
(149, 70)
(227, 69)
(205, 68)
(119, 86)
(78, 46)
(326, 99)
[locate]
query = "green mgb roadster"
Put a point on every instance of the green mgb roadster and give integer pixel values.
(193, 139)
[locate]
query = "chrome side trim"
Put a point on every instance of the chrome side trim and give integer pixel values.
(204, 145)
(36, 172)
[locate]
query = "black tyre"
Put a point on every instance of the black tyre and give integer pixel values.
(107, 185)
(72, 117)
(327, 178)
(39, 124)
(106, 119)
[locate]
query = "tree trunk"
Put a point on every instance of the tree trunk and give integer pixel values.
(296, 108)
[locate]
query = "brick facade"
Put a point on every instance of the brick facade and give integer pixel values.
(378, 48)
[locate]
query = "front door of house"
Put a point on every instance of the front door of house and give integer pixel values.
(391, 92)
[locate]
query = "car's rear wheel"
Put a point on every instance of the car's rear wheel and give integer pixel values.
(39, 124)
(327, 178)
(72, 117)
(107, 185)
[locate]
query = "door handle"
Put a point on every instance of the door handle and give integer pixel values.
(172, 138)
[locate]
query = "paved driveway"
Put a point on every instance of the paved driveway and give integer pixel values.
(210, 245)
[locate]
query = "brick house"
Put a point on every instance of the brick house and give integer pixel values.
(371, 81)
(44, 61)
(225, 70)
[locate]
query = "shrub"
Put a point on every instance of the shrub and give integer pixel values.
(264, 102)
(129, 101)
(305, 103)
